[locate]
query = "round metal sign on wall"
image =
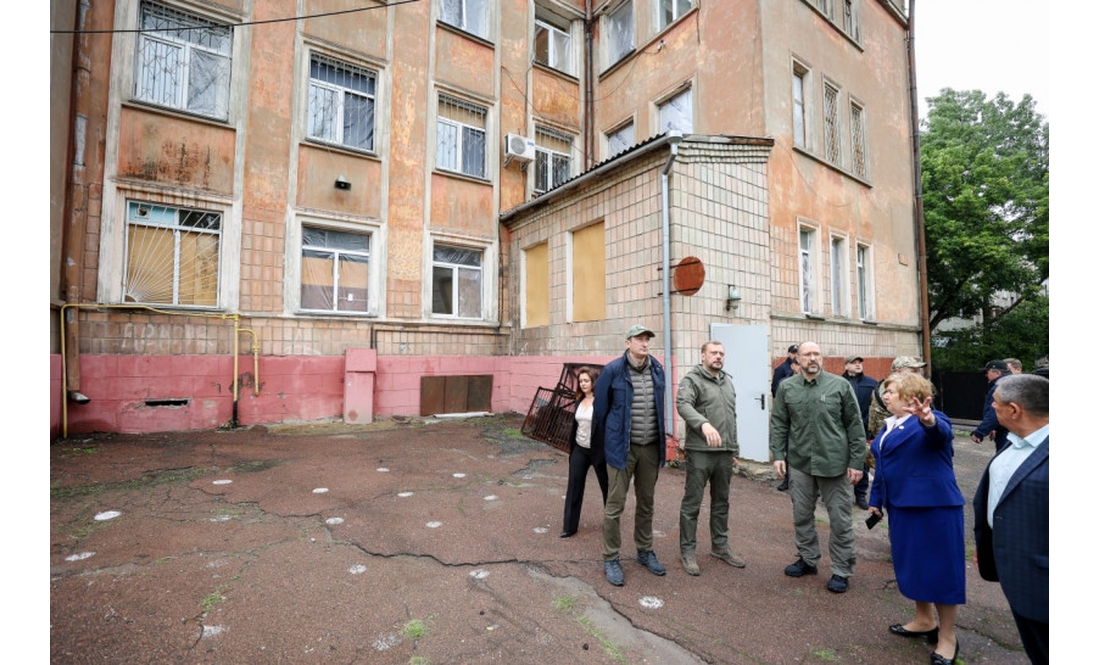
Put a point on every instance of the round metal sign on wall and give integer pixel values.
(688, 276)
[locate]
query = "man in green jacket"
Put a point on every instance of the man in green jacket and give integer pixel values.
(705, 400)
(819, 413)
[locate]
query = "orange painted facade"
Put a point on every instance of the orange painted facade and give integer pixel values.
(445, 91)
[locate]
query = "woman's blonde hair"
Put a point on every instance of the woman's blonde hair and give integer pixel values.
(909, 385)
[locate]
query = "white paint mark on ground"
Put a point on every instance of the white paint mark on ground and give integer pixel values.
(491, 497)
(385, 642)
(541, 529)
(320, 490)
(651, 602)
(357, 569)
(434, 525)
(459, 475)
(107, 515)
(382, 469)
(221, 518)
(479, 574)
(211, 631)
(222, 481)
(79, 557)
(333, 521)
(404, 494)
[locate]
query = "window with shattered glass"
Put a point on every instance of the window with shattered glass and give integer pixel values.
(675, 114)
(335, 270)
(620, 32)
(341, 103)
(172, 255)
(456, 281)
(183, 61)
(471, 16)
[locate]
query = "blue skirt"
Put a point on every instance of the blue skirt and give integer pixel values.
(929, 552)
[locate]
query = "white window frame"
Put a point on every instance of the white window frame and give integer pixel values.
(865, 283)
(340, 255)
(559, 46)
(850, 19)
(456, 269)
(620, 139)
(857, 123)
(670, 11)
(173, 219)
(618, 26)
(807, 269)
(329, 101)
(800, 75)
(548, 161)
(470, 16)
(676, 113)
(838, 264)
(176, 67)
(450, 157)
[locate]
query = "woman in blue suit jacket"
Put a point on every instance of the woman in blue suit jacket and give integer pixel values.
(915, 484)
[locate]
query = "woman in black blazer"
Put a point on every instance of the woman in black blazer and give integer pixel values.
(585, 450)
(915, 484)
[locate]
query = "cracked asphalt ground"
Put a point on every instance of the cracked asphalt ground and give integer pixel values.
(436, 541)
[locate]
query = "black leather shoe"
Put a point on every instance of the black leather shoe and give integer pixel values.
(861, 501)
(942, 660)
(783, 486)
(566, 534)
(800, 568)
(837, 584)
(931, 636)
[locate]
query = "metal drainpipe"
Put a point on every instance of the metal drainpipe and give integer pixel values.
(674, 138)
(918, 198)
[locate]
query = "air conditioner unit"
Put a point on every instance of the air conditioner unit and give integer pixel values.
(519, 148)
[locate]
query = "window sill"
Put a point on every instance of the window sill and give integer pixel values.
(806, 153)
(355, 152)
(177, 113)
(463, 176)
(459, 31)
(549, 69)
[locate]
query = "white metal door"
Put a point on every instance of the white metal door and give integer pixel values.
(747, 362)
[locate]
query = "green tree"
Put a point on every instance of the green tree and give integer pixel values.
(1023, 333)
(985, 182)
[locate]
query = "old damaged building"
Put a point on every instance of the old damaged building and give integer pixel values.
(301, 210)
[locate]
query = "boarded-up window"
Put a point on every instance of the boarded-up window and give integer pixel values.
(589, 268)
(536, 295)
(171, 255)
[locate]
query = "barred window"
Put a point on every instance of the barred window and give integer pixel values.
(460, 137)
(859, 141)
(341, 103)
(552, 161)
(335, 270)
(172, 255)
(183, 61)
(832, 125)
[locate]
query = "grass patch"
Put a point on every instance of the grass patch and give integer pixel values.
(565, 603)
(826, 655)
(213, 598)
(419, 660)
(153, 479)
(612, 650)
(68, 453)
(415, 629)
